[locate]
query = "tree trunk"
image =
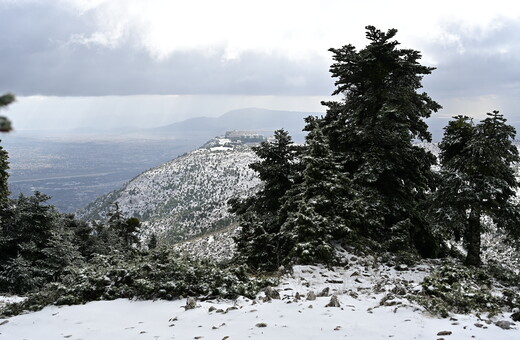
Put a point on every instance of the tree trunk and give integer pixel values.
(473, 240)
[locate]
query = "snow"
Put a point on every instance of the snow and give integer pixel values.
(124, 319)
(221, 148)
(361, 315)
(186, 196)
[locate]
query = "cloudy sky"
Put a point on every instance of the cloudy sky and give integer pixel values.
(76, 63)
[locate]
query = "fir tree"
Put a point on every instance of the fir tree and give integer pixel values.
(122, 233)
(5, 126)
(372, 132)
(477, 180)
(5, 123)
(4, 188)
(314, 209)
(259, 242)
(35, 247)
(152, 242)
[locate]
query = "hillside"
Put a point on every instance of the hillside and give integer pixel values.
(186, 196)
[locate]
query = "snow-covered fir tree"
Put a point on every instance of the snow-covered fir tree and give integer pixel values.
(477, 180)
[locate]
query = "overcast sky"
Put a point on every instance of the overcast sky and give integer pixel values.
(154, 62)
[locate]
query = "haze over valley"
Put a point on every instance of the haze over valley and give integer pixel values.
(75, 167)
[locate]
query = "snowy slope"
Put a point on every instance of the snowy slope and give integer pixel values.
(186, 196)
(362, 287)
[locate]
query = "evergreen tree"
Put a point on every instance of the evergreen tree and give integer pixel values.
(130, 232)
(372, 131)
(5, 126)
(83, 235)
(152, 242)
(35, 247)
(122, 233)
(5, 123)
(477, 180)
(259, 242)
(315, 208)
(4, 188)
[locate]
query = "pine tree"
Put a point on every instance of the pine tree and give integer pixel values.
(477, 180)
(372, 132)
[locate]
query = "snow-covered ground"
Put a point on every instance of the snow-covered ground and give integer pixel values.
(360, 287)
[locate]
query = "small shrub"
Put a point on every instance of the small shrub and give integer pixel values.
(160, 274)
(454, 288)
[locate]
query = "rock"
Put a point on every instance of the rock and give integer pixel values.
(311, 296)
(297, 296)
(504, 324)
(444, 333)
(4, 322)
(515, 316)
(212, 309)
(337, 328)
(399, 290)
(271, 293)
(324, 292)
(334, 281)
(401, 267)
(356, 273)
(261, 324)
(479, 325)
(191, 303)
(334, 302)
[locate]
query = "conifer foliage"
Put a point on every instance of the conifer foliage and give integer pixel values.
(260, 242)
(371, 133)
(477, 180)
(5, 126)
(360, 173)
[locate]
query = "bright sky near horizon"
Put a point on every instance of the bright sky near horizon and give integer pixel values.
(153, 62)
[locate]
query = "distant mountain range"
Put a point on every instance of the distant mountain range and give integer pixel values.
(260, 120)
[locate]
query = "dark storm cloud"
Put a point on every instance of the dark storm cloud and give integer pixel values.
(37, 58)
(479, 63)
